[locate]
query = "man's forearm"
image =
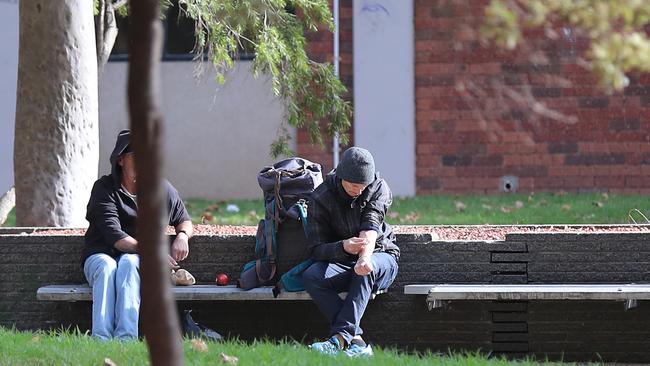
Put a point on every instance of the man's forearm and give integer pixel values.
(127, 245)
(185, 226)
(371, 239)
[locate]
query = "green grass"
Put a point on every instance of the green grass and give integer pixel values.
(543, 208)
(64, 348)
(504, 209)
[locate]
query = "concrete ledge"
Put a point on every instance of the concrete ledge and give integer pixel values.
(181, 293)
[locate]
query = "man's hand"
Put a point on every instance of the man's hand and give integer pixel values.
(180, 247)
(363, 266)
(172, 263)
(354, 245)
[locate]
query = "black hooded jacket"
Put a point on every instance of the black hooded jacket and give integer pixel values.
(112, 212)
(334, 216)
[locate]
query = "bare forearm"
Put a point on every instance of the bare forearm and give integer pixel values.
(185, 226)
(127, 245)
(371, 239)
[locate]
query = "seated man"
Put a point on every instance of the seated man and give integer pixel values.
(110, 259)
(354, 248)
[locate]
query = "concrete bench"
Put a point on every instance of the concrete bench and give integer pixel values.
(181, 293)
(437, 293)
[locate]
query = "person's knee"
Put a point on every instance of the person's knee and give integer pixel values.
(104, 266)
(129, 262)
(312, 275)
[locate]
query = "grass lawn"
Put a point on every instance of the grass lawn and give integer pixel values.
(24, 348)
(507, 209)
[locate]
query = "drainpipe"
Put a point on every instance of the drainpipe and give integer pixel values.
(335, 143)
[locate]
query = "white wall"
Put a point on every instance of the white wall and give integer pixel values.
(8, 79)
(217, 136)
(384, 95)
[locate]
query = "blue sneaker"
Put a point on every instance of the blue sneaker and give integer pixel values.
(356, 350)
(328, 347)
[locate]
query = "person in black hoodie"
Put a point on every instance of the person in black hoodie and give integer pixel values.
(353, 246)
(110, 260)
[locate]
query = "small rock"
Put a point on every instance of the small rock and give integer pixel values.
(232, 208)
(109, 362)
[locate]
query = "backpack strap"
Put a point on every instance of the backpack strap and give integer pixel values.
(270, 249)
(302, 211)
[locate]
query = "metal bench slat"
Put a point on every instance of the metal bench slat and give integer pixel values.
(531, 292)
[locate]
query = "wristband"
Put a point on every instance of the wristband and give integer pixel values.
(184, 232)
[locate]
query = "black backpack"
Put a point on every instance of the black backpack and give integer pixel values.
(281, 240)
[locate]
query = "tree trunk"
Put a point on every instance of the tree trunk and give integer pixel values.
(56, 144)
(159, 318)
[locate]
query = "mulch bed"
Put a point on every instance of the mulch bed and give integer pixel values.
(470, 232)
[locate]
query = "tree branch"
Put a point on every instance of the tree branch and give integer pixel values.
(7, 202)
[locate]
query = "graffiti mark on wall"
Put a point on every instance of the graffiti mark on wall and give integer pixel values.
(375, 14)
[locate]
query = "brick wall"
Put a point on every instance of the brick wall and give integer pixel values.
(535, 114)
(471, 132)
(568, 330)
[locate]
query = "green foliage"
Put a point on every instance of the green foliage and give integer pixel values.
(614, 28)
(65, 348)
(272, 30)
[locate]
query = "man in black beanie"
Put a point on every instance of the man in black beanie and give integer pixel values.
(353, 246)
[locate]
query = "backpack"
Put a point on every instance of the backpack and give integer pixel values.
(281, 248)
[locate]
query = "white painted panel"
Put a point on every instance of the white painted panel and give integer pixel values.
(384, 101)
(217, 136)
(8, 78)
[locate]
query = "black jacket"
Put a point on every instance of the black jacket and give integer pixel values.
(112, 213)
(334, 216)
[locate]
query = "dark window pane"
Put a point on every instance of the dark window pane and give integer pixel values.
(121, 46)
(180, 31)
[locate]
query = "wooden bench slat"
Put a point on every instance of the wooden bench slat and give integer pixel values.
(531, 292)
(182, 293)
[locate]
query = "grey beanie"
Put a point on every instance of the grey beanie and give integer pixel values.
(356, 166)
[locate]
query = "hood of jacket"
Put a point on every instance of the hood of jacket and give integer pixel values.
(121, 144)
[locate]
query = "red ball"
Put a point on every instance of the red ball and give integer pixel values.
(222, 279)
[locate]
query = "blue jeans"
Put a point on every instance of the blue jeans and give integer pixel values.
(116, 295)
(325, 280)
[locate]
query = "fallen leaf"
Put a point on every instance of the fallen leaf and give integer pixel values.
(207, 217)
(252, 213)
(214, 207)
(566, 207)
(36, 339)
(460, 206)
(393, 214)
(560, 193)
(519, 205)
(530, 198)
(598, 204)
(487, 207)
(506, 209)
(109, 362)
(412, 217)
(198, 345)
(605, 195)
(232, 360)
(543, 203)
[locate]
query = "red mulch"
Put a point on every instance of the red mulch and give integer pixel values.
(474, 232)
